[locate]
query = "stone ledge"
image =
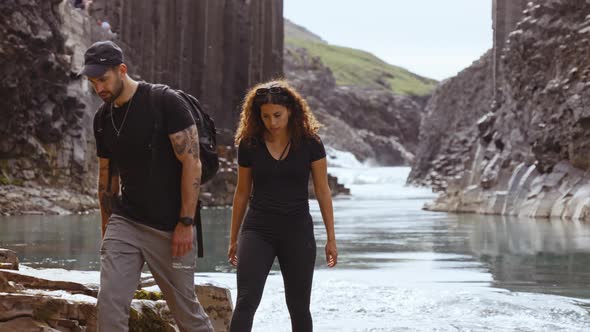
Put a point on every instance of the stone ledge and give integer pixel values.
(29, 303)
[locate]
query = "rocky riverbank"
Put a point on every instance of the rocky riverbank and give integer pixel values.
(34, 300)
(34, 199)
(528, 155)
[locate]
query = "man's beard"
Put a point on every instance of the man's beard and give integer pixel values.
(116, 93)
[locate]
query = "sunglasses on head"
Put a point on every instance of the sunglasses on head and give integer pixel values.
(273, 90)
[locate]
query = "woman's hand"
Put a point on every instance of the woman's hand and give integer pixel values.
(331, 253)
(231, 254)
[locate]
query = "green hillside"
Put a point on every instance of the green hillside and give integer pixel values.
(355, 67)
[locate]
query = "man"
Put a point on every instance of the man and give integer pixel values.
(151, 220)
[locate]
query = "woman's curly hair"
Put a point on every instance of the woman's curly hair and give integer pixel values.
(302, 123)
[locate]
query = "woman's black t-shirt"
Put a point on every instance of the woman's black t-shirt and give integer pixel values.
(280, 187)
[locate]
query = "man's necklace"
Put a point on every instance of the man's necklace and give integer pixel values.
(118, 131)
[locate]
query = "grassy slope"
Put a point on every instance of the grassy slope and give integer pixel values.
(355, 67)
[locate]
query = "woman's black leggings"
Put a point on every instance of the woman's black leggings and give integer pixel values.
(261, 240)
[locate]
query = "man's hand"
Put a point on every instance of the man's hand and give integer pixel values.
(182, 240)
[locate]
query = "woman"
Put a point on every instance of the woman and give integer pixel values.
(278, 147)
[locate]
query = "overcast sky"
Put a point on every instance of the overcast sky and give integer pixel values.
(433, 38)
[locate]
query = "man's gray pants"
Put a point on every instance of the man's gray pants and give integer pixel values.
(125, 248)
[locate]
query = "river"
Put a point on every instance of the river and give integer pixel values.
(400, 268)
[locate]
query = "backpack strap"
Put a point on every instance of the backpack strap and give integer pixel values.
(199, 229)
(100, 136)
(157, 99)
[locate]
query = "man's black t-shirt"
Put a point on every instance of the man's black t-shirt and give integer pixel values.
(150, 189)
(280, 187)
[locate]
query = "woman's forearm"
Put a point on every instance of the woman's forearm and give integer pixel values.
(325, 201)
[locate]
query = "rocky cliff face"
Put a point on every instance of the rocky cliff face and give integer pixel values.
(212, 49)
(531, 157)
(373, 124)
(44, 133)
(448, 133)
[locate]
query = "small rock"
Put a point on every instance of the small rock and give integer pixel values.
(8, 259)
(28, 174)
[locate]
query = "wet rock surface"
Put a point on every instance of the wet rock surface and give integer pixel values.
(39, 200)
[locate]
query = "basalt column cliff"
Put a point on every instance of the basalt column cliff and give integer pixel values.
(214, 49)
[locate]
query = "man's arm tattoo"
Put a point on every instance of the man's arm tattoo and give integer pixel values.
(180, 141)
(195, 148)
(186, 141)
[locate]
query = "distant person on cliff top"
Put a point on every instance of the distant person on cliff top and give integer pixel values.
(78, 4)
(158, 171)
(83, 4)
(278, 148)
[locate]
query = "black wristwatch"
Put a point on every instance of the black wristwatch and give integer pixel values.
(186, 221)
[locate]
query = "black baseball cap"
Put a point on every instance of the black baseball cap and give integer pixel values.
(101, 56)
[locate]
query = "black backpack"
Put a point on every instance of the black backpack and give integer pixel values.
(207, 142)
(205, 128)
